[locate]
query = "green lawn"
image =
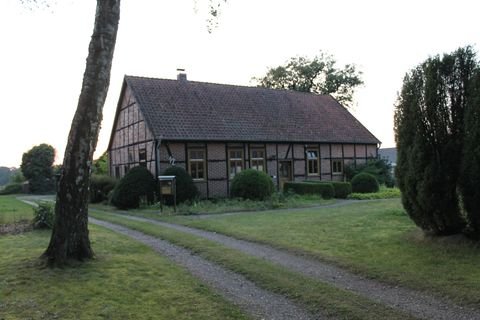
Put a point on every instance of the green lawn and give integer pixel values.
(12, 210)
(127, 280)
(376, 239)
(318, 297)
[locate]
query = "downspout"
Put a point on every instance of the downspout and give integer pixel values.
(158, 143)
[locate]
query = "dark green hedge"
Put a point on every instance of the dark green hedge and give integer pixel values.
(252, 184)
(137, 185)
(100, 187)
(341, 189)
(365, 183)
(186, 189)
(326, 190)
(12, 188)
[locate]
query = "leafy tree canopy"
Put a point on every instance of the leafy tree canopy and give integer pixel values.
(100, 165)
(5, 175)
(318, 75)
(37, 168)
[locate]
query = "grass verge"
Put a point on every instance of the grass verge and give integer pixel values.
(278, 200)
(375, 239)
(127, 280)
(383, 193)
(318, 297)
(13, 211)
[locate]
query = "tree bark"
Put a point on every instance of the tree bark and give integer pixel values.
(70, 238)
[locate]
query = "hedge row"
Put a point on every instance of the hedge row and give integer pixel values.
(341, 189)
(326, 190)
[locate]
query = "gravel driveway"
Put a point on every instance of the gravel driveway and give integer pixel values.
(413, 302)
(237, 289)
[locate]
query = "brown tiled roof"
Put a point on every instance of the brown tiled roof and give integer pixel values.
(189, 110)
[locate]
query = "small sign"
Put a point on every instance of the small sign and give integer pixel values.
(168, 188)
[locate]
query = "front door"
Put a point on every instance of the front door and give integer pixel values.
(284, 172)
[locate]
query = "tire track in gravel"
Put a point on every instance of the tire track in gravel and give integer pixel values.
(413, 302)
(257, 302)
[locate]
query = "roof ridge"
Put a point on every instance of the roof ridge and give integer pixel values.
(237, 86)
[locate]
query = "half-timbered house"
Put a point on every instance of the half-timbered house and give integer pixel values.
(215, 131)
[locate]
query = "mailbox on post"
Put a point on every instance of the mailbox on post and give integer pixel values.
(168, 188)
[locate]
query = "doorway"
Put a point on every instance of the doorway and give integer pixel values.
(284, 172)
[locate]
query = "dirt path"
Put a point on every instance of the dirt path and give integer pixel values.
(257, 302)
(417, 304)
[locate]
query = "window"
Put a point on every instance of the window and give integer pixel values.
(312, 162)
(235, 161)
(257, 159)
(117, 172)
(337, 166)
(126, 168)
(196, 163)
(142, 156)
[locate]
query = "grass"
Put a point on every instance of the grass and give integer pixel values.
(12, 210)
(318, 297)
(384, 193)
(374, 239)
(277, 201)
(127, 280)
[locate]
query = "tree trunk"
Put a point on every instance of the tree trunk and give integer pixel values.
(69, 238)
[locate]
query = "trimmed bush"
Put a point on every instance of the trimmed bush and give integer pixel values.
(365, 183)
(252, 184)
(186, 189)
(136, 186)
(43, 216)
(325, 189)
(12, 188)
(100, 187)
(341, 189)
(381, 169)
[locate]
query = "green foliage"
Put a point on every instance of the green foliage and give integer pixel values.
(17, 176)
(37, 168)
(326, 190)
(365, 183)
(383, 193)
(100, 187)
(381, 169)
(429, 131)
(252, 184)
(470, 170)
(341, 189)
(100, 165)
(186, 189)
(12, 188)
(137, 186)
(318, 75)
(43, 216)
(5, 175)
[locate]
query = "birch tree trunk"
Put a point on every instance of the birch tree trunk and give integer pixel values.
(70, 239)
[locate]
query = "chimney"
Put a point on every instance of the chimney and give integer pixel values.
(181, 76)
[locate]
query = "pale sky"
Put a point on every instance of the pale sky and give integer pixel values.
(43, 53)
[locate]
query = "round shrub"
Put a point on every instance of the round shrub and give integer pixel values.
(342, 189)
(186, 189)
(252, 184)
(100, 187)
(136, 186)
(364, 183)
